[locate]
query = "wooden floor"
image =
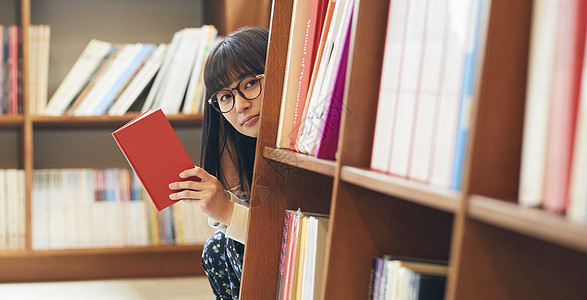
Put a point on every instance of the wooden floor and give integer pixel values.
(175, 288)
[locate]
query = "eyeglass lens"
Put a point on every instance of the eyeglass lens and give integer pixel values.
(249, 88)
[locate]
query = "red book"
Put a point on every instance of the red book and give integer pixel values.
(154, 151)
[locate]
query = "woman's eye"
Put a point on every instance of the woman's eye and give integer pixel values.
(224, 97)
(252, 83)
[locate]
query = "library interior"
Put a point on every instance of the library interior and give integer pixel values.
(406, 149)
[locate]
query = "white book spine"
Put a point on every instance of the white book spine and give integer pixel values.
(429, 90)
(407, 100)
(388, 88)
(541, 64)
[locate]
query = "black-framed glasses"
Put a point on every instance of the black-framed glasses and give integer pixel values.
(249, 88)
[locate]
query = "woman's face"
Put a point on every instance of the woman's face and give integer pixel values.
(245, 114)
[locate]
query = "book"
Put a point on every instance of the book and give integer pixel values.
(77, 77)
(577, 210)
(287, 224)
(407, 93)
(305, 142)
(139, 83)
(155, 153)
(446, 122)
(317, 11)
(566, 83)
(315, 262)
(321, 98)
(315, 72)
(434, 49)
(388, 88)
(293, 66)
(327, 139)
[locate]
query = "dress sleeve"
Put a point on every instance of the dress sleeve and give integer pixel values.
(237, 229)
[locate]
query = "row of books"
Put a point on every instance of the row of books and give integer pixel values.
(88, 208)
(113, 79)
(303, 255)
(407, 278)
(12, 210)
(429, 67)
(315, 77)
(11, 70)
(554, 145)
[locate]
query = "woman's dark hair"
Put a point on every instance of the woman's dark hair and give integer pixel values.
(239, 54)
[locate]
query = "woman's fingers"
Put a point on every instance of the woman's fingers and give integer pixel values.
(195, 172)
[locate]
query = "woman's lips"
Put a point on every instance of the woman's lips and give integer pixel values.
(250, 120)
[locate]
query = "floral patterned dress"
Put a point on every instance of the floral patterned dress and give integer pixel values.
(222, 259)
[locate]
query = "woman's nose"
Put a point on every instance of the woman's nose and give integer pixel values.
(241, 104)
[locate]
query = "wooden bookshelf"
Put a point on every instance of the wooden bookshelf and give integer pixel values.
(102, 263)
(105, 121)
(67, 43)
(298, 160)
(495, 248)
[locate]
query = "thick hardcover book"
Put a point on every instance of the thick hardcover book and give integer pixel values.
(155, 153)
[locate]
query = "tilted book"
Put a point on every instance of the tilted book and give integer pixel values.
(156, 154)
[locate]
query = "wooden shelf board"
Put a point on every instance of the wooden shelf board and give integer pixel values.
(420, 193)
(11, 121)
(533, 222)
(80, 264)
(105, 121)
(299, 160)
(105, 251)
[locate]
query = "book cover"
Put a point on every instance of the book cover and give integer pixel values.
(315, 68)
(156, 154)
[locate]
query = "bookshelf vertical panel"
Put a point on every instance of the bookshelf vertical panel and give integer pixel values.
(363, 80)
(495, 165)
(500, 264)
(366, 224)
(267, 202)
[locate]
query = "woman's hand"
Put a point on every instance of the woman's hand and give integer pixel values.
(211, 196)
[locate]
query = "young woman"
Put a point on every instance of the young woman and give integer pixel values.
(233, 76)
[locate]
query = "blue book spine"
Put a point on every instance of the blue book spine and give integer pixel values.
(465, 105)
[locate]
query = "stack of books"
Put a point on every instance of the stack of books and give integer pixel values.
(303, 255)
(12, 210)
(430, 66)
(113, 78)
(89, 208)
(315, 77)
